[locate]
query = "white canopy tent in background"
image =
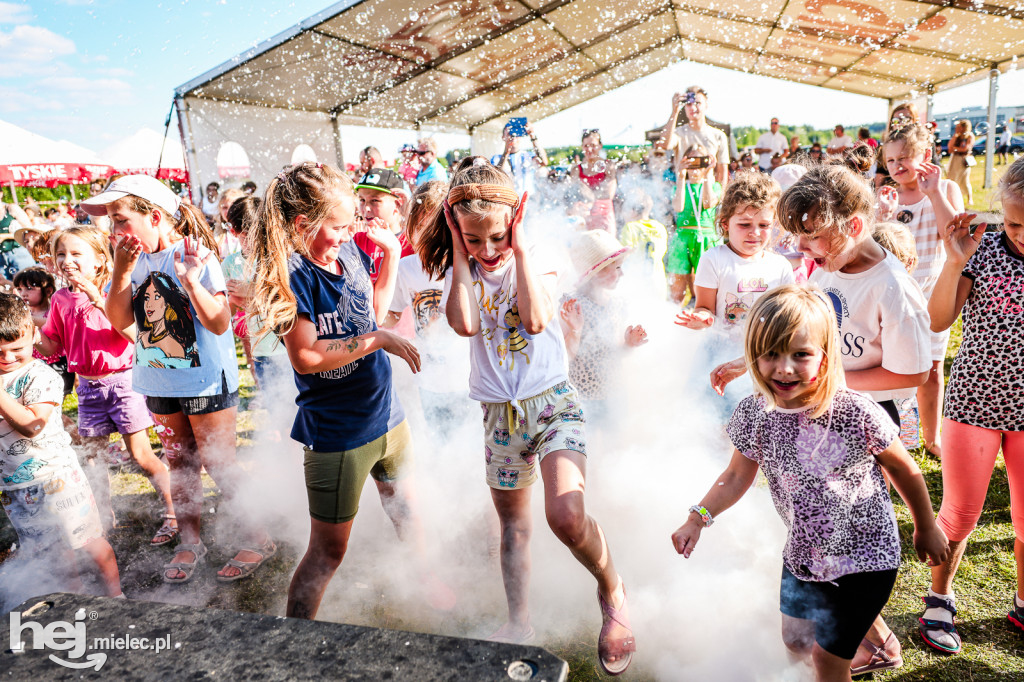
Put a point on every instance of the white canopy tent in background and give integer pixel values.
(145, 151)
(30, 160)
(469, 65)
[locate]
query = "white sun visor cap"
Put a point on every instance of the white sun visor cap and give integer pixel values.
(142, 186)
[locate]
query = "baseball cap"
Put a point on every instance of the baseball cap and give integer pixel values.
(383, 180)
(142, 186)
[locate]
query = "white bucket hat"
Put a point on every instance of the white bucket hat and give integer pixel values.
(594, 250)
(142, 186)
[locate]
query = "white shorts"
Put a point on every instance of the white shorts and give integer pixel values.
(55, 510)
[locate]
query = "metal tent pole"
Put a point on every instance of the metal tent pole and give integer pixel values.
(990, 137)
(338, 152)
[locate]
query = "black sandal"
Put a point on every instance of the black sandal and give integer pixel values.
(927, 624)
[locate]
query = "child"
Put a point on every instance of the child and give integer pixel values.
(498, 293)
(822, 449)
(172, 289)
(102, 357)
(694, 203)
(382, 196)
(592, 320)
(731, 277)
(442, 383)
(36, 287)
(647, 239)
(312, 285)
(983, 278)
(267, 355)
(42, 487)
(595, 174)
(926, 204)
(880, 311)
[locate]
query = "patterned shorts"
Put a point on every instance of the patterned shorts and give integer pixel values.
(57, 510)
(542, 424)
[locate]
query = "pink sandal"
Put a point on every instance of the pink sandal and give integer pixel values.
(623, 648)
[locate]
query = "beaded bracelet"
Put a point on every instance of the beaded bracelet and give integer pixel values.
(704, 514)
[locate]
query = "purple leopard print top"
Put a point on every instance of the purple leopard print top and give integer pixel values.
(986, 384)
(825, 482)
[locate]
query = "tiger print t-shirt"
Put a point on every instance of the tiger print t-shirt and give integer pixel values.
(986, 384)
(825, 482)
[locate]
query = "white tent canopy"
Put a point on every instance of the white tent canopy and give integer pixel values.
(469, 65)
(143, 151)
(31, 160)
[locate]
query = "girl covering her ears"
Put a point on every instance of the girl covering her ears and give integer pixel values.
(501, 295)
(983, 278)
(102, 358)
(822, 449)
(167, 282)
(879, 308)
(312, 286)
(926, 203)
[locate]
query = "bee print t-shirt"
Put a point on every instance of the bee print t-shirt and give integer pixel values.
(506, 362)
(740, 282)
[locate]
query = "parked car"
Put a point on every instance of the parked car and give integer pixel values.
(1015, 146)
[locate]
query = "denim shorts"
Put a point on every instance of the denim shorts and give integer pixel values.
(109, 405)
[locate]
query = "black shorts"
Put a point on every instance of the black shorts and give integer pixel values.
(205, 404)
(842, 610)
(890, 409)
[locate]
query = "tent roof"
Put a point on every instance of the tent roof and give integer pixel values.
(464, 64)
(143, 150)
(20, 147)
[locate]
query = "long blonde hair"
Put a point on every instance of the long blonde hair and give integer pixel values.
(773, 322)
(312, 190)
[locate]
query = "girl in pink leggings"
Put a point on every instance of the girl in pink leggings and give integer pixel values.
(984, 277)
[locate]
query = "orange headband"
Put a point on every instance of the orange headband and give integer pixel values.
(494, 193)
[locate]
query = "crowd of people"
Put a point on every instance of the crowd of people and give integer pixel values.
(824, 282)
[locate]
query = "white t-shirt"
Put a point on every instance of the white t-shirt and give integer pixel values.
(776, 142)
(28, 461)
(445, 356)
(883, 320)
(740, 282)
(506, 363)
(839, 142)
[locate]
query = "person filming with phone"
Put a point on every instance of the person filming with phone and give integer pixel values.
(521, 164)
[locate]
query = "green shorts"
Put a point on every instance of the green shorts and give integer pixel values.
(686, 246)
(334, 480)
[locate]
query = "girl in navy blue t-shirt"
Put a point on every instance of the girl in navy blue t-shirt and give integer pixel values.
(313, 287)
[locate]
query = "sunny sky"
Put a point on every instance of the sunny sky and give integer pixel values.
(95, 71)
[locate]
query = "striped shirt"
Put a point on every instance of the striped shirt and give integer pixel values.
(931, 253)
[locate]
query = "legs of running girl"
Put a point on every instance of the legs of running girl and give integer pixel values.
(967, 464)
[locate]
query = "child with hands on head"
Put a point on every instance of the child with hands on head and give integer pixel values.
(312, 287)
(926, 204)
(168, 283)
(102, 357)
(500, 294)
(822, 449)
(982, 279)
(42, 488)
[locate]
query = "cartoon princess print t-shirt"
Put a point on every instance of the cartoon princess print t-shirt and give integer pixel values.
(26, 461)
(175, 355)
(740, 282)
(507, 363)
